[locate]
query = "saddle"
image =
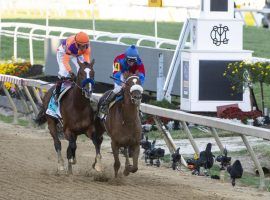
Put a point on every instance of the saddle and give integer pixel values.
(101, 113)
(117, 98)
(54, 107)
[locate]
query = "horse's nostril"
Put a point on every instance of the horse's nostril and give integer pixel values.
(138, 97)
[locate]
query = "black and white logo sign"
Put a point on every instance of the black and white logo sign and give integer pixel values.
(219, 35)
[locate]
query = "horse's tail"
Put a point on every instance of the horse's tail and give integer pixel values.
(41, 117)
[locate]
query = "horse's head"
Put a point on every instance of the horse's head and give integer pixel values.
(134, 89)
(85, 77)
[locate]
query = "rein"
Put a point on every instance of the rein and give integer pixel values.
(84, 82)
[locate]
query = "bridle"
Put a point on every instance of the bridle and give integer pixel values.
(135, 87)
(87, 93)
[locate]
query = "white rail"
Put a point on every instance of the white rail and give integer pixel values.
(243, 130)
(14, 30)
(28, 31)
(163, 112)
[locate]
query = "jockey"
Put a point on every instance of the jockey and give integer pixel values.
(75, 46)
(124, 64)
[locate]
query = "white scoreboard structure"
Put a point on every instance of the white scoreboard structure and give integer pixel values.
(216, 39)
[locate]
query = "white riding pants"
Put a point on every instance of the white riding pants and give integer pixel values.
(59, 56)
(117, 88)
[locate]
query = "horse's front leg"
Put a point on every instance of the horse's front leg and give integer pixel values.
(127, 164)
(115, 149)
(135, 156)
(97, 140)
(71, 150)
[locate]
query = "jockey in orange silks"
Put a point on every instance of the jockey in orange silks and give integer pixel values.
(75, 46)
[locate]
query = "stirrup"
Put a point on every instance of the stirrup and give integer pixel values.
(104, 109)
(102, 112)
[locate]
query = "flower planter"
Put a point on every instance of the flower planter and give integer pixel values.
(252, 117)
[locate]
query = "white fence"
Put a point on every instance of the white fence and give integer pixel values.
(38, 88)
(14, 30)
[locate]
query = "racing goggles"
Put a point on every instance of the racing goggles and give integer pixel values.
(83, 46)
(132, 59)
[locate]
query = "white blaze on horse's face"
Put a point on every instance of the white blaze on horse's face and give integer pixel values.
(89, 87)
(134, 81)
(87, 71)
(136, 91)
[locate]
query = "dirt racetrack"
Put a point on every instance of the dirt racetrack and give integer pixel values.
(28, 171)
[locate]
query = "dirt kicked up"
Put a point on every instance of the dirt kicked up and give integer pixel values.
(28, 170)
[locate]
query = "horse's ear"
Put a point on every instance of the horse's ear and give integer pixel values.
(79, 62)
(92, 62)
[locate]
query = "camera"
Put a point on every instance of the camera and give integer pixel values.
(146, 144)
(176, 159)
(151, 153)
(224, 159)
(155, 154)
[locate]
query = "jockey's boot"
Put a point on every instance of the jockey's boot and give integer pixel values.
(57, 90)
(105, 105)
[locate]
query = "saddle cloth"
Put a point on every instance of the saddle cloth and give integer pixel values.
(53, 107)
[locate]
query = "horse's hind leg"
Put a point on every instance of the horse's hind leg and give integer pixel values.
(97, 140)
(71, 151)
(57, 143)
(117, 163)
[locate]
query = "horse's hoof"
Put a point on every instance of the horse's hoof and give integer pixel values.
(98, 167)
(61, 168)
(126, 172)
(69, 168)
(93, 165)
(133, 169)
(69, 171)
(72, 161)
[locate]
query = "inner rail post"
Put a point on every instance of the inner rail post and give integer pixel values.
(190, 137)
(14, 108)
(256, 162)
(168, 138)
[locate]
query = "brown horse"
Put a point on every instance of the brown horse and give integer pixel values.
(77, 116)
(123, 124)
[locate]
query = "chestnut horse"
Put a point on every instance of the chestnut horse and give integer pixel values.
(77, 116)
(123, 124)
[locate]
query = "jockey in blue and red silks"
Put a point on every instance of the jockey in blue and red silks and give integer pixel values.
(124, 64)
(75, 46)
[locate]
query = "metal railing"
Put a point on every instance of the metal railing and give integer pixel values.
(37, 87)
(15, 30)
